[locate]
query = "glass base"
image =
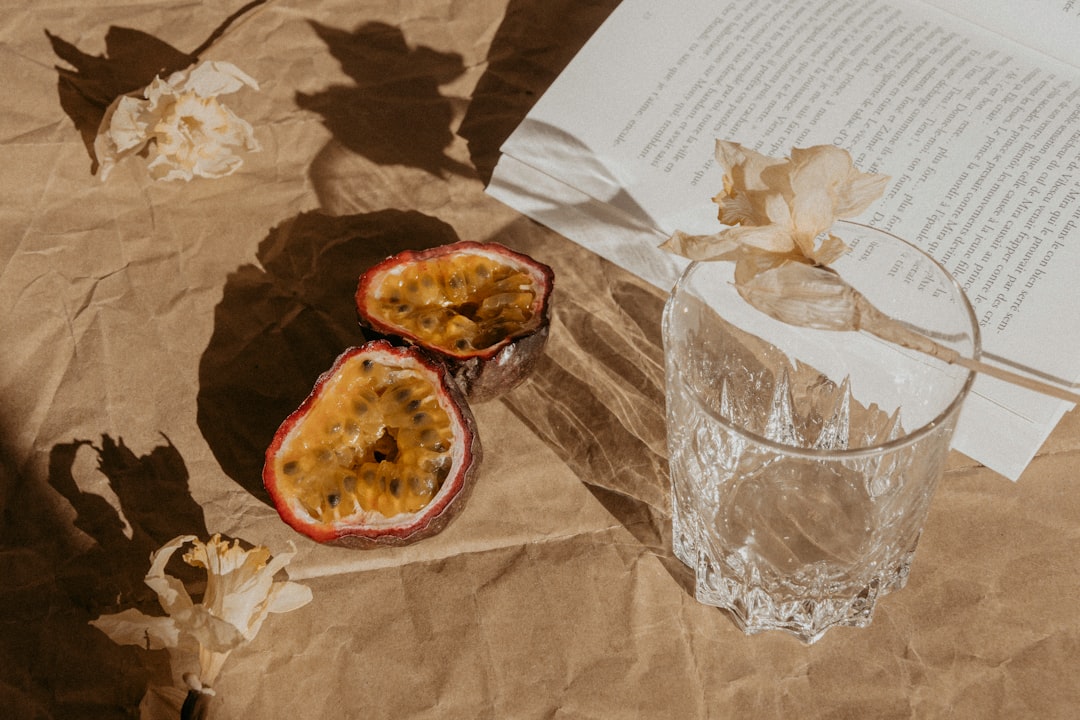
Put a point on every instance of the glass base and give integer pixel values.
(756, 609)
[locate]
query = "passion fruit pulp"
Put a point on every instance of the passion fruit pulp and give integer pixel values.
(383, 451)
(481, 307)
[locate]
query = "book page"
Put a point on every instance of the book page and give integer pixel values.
(981, 138)
(1049, 26)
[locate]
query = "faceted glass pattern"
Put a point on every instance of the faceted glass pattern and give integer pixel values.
(803, 462)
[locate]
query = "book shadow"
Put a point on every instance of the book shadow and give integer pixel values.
(282, 322)
(69, 555)
(393, 113)
(533, 44)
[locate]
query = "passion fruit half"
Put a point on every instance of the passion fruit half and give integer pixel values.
(481, 307)
(382, 452)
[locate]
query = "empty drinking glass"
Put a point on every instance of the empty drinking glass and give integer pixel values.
(803, 461)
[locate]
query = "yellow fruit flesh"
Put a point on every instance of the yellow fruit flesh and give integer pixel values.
(375, 438)
(458, 303)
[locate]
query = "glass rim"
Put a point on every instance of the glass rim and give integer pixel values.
(909, 437)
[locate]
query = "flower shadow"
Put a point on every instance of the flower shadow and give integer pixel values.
(395, 113)
(281, 323)
(144, 486)
(69, 555)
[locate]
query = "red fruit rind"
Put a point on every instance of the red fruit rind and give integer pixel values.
(383, 451)
(481, 307)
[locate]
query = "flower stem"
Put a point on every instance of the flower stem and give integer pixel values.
(874, 321)
(196, 706)
(197, 703)
(817, 297)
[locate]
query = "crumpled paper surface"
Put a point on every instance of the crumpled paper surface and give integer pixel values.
(157, 333)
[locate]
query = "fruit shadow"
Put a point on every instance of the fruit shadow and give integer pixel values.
(394, 112)
(282, 322)
(131, 61)
(535, 41)
(68, 555)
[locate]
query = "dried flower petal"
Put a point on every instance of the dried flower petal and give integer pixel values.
(131, 627)
(830, 170)
(824, 187)
(185, 129)
(802, 295)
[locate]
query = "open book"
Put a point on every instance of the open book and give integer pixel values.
(971, 106)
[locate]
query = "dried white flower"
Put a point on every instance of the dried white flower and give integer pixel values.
(782, 206)
(779, 212)
(186, 131)
(240, 593)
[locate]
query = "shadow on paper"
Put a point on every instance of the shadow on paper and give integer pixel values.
(281, 323)
(68, 555)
